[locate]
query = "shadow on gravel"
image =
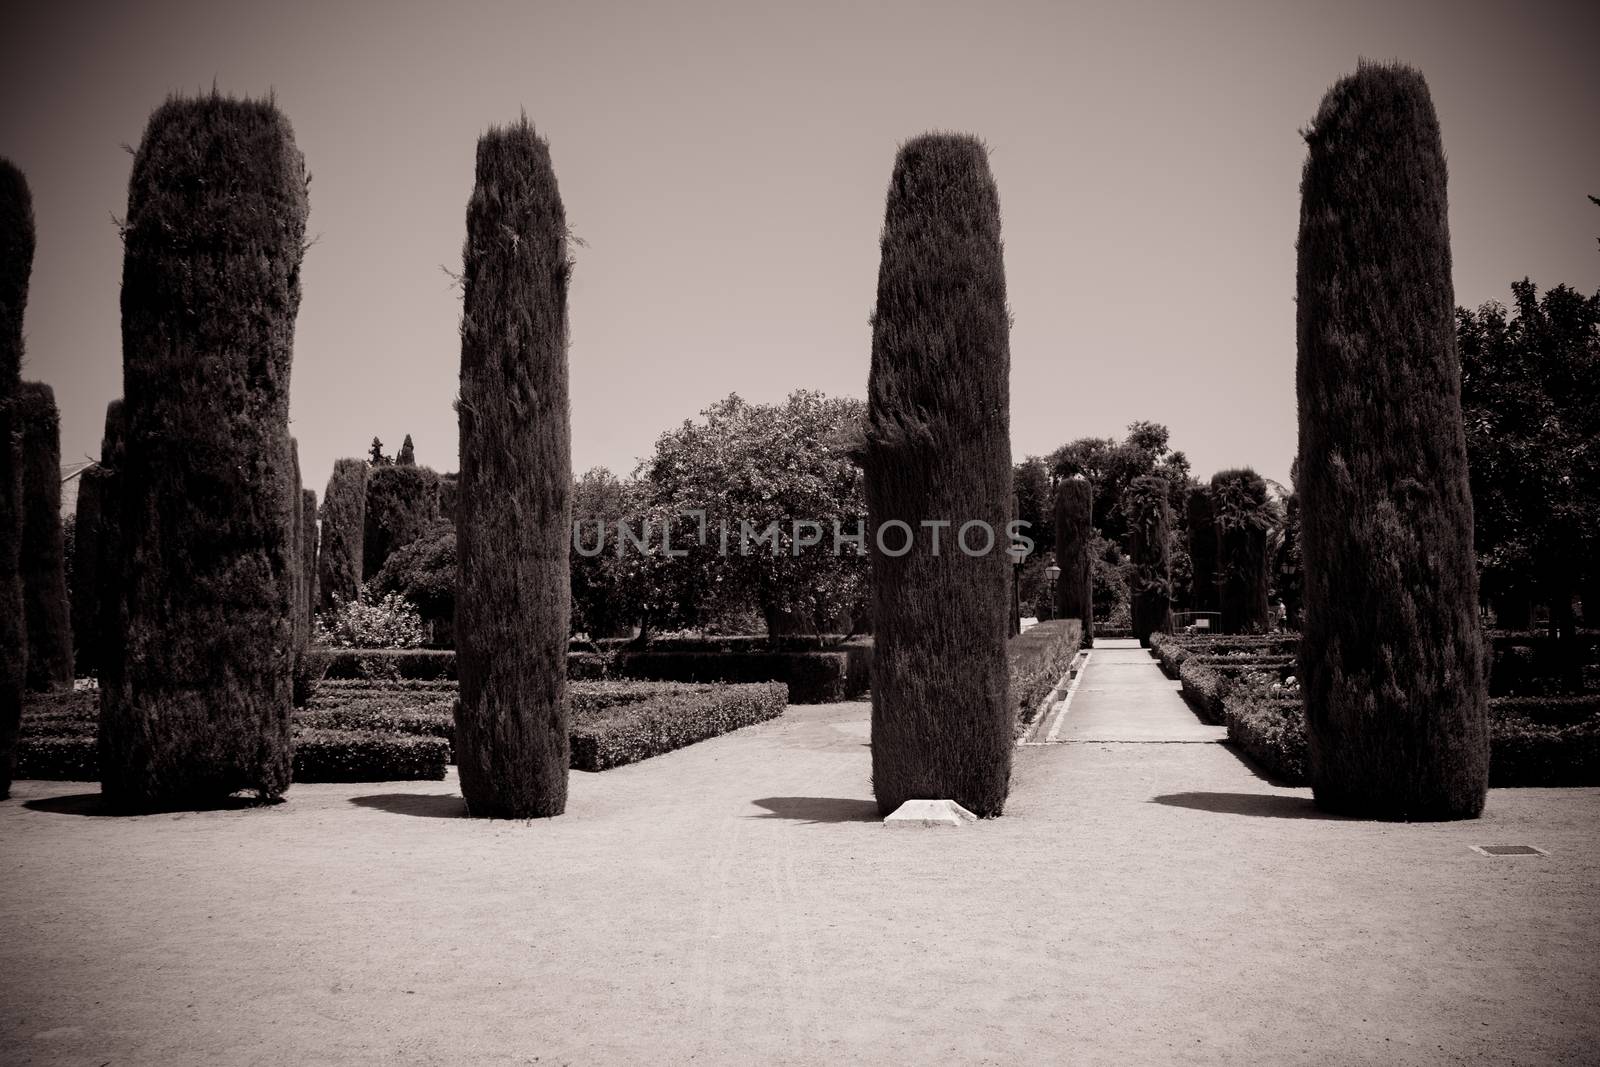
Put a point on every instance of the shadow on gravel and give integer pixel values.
(422, 805)
(1266, 805)
(818, 809)
(91, 804)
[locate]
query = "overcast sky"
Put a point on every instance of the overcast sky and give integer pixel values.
(726, 166)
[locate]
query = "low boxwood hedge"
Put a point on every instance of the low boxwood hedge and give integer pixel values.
(362, 756)
(1533, 741)
(1037, 659)
(811, 677)
(608, 732)
(815, 672)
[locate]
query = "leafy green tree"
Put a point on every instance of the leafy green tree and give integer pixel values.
(1111, 466)
(1530, 397)
(752, 469)
(424, 572)
(1034, 487)
(408, 454)
(375, 454)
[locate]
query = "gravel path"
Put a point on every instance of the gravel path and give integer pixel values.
(737, 902)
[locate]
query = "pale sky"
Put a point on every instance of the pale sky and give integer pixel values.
(726, 166)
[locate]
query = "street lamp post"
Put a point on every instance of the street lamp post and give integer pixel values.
(1052, 573)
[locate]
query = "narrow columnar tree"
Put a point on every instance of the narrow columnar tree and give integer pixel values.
(937, 449)
(308, 555)
(402, 504)
(1201, 529)
(344, 523)
(513, 519)
(1242, 516)
(195, 692)
(1150, 523)
(16, 266)
(93, 513)
(1392, 657)
(1074, 541)
(295, 575)
(44, 564)
(97, 575)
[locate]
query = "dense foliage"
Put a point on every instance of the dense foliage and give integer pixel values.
(514, 511)
(195, 689)
(1244, 519)
(763, 467)
(937, 448)
(341, 552)
(16, 267)
(1149, 513)
(1392, 661)
(402, 504)
(1530, 397)
(44, 560)
(1074, 554)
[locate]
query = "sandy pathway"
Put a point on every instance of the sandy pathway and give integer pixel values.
(738, 902)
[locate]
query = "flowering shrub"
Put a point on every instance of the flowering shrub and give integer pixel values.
(390, 622)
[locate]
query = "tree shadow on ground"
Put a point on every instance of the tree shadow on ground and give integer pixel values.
(1265, 805)
(818, 809)
(422, 805)
(93, 804)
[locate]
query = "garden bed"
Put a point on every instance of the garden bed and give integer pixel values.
(814, 671)
(370, 731)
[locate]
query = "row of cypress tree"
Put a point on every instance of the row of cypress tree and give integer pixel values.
(195, 690)
(1392, 654)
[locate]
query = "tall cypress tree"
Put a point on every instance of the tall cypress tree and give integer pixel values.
(344, 524)
(195, 692)
(44, 564)
(309, 554)
(1150, 523)
(1201, 527)
(402, 505)
(938, 448)
(1242, 515)
(97, 578)
(1392, 656)
(16, 267)
(91, 516)
(1074, 541)
(513, 519)
(408, 453)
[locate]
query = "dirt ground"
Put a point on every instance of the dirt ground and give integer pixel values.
(739, 902)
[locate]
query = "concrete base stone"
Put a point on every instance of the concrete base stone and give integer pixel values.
(923, 814)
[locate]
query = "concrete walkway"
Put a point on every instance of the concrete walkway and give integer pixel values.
(1122, 697)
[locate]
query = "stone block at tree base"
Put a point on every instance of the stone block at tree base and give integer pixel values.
(922, 814)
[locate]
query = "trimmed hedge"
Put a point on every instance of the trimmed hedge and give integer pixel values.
(1271, 731)
(360, 731)
(628, 731)
(813, 677)
(1038, 658)
(1533, 742)
(347, 745)
(346, 756)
